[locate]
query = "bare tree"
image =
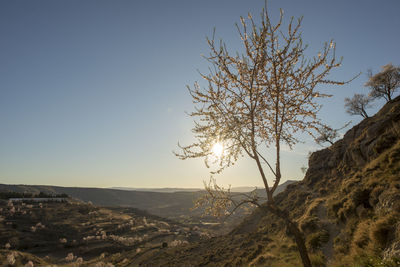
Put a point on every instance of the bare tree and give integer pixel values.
(255, 101)
(357, 105)
(327, 134)
(384, 83)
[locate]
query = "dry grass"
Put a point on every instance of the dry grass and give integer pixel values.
(382, 229)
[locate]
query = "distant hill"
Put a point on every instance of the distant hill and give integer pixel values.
(159, 190)
(166, 202)
(161, 204)
(241, 189)
(279, 189)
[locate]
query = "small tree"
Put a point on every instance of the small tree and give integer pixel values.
(357, 105)
(257, 101)
(384, 83)
(327, 134)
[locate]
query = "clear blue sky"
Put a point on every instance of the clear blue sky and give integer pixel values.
(92, 92)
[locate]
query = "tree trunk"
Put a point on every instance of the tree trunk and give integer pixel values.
(278, 175)
(294, 230)
(301, 246)
(365, 113)
(260, 169)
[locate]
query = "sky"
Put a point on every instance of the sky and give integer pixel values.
(93, 92)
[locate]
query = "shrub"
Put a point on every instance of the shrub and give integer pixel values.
(340, 244)
(384, 142)
(323, 191)
(346, 211)
(309, 224)
(394, 157)
(361, 196)
(335, 205)
(382, 229)
(316, 240)
(375, 193)
(317, 260)
(260, 260)
(361, 234)
(366, 260)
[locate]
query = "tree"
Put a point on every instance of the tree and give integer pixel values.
(384, 83)
(357, 105)
(255, 101)
(327, 134)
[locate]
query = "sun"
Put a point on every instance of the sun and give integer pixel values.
(218, 149)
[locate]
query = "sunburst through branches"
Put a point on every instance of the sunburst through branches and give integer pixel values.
(218, 149)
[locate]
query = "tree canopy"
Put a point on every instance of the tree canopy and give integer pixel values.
(384, 83)
(260, 98)
(357, 105)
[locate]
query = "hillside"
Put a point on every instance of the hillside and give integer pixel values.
(348, 206)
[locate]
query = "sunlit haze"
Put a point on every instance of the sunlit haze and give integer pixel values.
(93, 93)
(218, 149)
